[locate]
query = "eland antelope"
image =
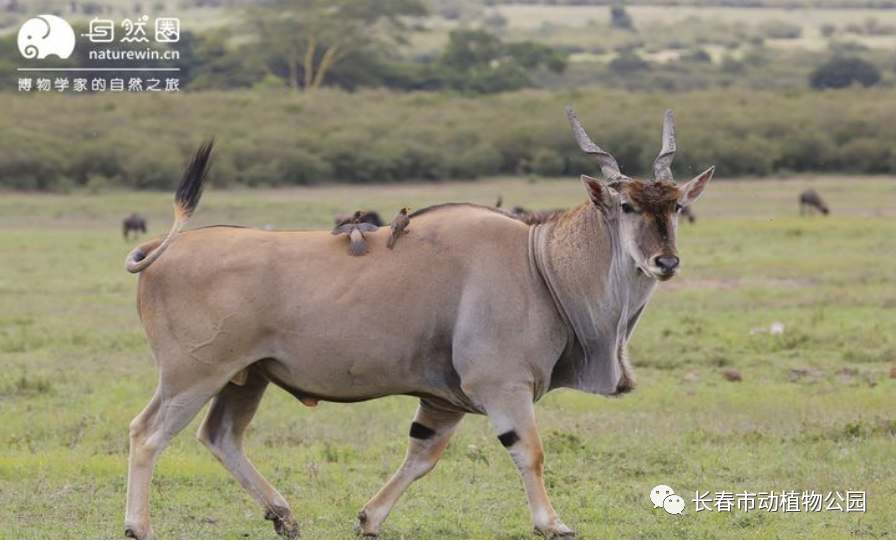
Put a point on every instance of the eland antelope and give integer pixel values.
(477, 313)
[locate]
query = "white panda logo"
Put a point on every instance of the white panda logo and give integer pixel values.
(46, 35)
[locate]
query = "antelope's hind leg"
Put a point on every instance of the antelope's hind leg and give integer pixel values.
(177, 400)
(222, 432)
(429, 436)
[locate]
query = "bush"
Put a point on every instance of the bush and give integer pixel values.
(866, 155)
(628, 62)
(844, 71)
(547, 163)
(780, 30)
(619, 18)
(697, 55)
(284, 138)
(481, 160)
(806, 150)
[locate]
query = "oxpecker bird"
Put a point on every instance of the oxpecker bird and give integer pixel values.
(399, 226)
(355, 231)
(352, 218)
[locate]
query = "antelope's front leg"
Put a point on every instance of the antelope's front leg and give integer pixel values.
(513, 415)
(429, 436)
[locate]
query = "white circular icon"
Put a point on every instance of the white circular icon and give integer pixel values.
(673, 504)
(658, 494)
(46, 35)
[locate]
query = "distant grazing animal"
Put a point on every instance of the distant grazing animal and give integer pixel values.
(355, 230)
(367, 217)
(732, 375)
(135, 223)
(399, 227)
(478, 313)
(810, 202)
(687, 213)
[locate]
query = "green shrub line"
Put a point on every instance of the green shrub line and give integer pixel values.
(269, 138)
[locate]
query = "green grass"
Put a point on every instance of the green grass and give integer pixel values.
(76, 369)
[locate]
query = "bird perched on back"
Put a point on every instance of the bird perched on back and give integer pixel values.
(399, 226)
(351, 218)
(368, 216)
(355, 230)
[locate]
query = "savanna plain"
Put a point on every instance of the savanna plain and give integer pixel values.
(815, 410)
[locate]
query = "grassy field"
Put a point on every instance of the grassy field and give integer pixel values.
(816, 409)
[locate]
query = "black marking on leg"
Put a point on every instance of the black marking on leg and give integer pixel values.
(421, 432)
(508, 438)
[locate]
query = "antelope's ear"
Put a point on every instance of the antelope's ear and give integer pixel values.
(692, 190)
(601, 194)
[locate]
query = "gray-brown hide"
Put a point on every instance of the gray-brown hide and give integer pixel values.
(474, 312)
(326, 325)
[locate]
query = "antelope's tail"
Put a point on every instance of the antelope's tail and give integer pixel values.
(185, 202)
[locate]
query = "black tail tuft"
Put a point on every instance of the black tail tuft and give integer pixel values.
(193, 182)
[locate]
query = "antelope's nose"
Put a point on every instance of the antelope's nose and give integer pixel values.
(667, 263)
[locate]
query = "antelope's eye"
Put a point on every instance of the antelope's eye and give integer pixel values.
(627, 208)
(678, 208)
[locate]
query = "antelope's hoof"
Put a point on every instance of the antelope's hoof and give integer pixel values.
(286, 528)
(134, 533)
(362, 522)
(561, 532)
(284, 524)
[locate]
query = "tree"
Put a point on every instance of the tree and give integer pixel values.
(477, 61)
(697, 55)
(619, 18)
(627, 62)
(207, 61)
(780, 30)
(304, 39)
(843, 71)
